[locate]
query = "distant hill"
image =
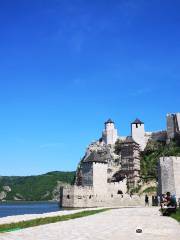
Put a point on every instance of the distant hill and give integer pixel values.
(34, 188)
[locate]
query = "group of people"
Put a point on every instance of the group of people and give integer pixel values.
(168, 203)
(166, 200)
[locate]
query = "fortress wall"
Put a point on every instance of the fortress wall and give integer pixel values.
(176, 165)
(125, 200)
(170, 118)
(169, 175)
(166, 175)
(159, 136)
(87, 172)
(178, 121)
(147, 136)
(113, 188)
(173, 125)
(100, 178)
(76, 196)
(67, 196)
(83, 197)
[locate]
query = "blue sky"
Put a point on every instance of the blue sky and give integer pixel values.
(67, 66)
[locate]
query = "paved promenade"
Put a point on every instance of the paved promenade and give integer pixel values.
(112, 225)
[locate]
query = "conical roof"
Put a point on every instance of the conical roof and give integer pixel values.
(109, 121)
(137, 121)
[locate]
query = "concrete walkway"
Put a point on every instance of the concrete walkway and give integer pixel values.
(111, 225)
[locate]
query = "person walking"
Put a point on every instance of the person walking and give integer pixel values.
(159, 200)
(146, 200)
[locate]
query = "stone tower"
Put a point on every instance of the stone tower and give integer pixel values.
(173, 125)
(110, 133)
(138, 133)
(169, 175)
(94, 172)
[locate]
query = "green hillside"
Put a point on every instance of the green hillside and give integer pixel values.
(36, 188)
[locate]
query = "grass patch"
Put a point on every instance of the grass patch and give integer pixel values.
(41, 221)
(176, 215)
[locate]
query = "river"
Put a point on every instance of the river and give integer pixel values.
(19, 208)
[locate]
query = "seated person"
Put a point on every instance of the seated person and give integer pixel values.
(169, 204)
(168, 199)
(173, 202)
(164, 201)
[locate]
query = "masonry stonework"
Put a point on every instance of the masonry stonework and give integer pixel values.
(173, 125)
(110, 134)
(100, 178)
(169, 175)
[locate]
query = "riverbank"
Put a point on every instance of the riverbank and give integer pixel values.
(113, 224)
(27, 217)
(10, 227)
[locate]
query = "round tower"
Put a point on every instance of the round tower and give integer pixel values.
(138, 133)
(110, 132)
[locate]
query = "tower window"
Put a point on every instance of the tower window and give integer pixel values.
(136, 125)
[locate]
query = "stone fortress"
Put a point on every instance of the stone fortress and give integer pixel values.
(104, 177)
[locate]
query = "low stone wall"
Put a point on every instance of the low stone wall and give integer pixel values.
(83, 197)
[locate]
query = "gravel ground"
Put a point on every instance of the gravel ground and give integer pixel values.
(111, 225)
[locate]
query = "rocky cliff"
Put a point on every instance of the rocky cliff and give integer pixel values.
(100, 152)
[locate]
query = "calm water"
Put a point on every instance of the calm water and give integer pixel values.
(10, 209)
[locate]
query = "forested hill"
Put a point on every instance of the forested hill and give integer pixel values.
(34, 188)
